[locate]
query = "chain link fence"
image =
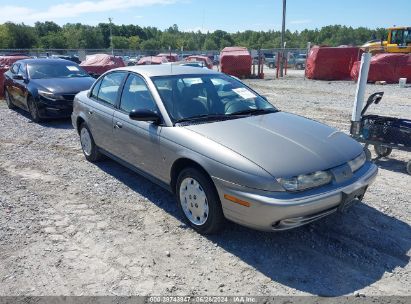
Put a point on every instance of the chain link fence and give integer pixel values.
(264, 61)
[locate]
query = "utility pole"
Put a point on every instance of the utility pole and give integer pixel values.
(111, 37)
(283, 39)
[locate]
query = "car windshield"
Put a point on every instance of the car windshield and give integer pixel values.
(212, 97)
(53, 69)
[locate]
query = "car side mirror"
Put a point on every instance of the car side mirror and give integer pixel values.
(18, 77)
(144, 115)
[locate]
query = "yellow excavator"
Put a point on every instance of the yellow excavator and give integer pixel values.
(398, 41)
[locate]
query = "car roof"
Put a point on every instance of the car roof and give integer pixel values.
(166, 70)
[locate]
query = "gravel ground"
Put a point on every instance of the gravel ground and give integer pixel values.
(69, 227)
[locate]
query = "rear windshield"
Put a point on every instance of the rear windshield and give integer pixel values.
(42, 70)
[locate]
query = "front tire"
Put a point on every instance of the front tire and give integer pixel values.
(33, 110)
(198, 201)
(9, 102)
(90, 150)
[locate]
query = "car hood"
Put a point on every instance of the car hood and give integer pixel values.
(64, 85)
(281, 143)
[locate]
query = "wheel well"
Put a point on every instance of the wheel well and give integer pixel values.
(181, 164)
(29, 95)
(78, 123)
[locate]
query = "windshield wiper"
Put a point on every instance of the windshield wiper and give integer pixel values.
(252, 112)
(211, 117)
(202, 117)
(78, 75)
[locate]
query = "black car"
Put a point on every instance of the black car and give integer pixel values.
(45, 87)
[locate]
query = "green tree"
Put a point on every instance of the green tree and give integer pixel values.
(168, 40)
(83, 36)
(45, 28)
(134, 42)
(4, 37)
(120, 42)
(53, 41)
(150, 44)
(209, 44)
(50, 35)
(21, 36)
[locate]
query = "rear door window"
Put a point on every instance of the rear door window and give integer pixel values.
(94, 91)
(109, 87)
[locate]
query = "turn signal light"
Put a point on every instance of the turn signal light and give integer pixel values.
(237, 200)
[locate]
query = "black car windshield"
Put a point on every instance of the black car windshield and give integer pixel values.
(53, 69)
(215, 96)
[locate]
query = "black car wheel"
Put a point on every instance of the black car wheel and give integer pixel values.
(9, 102)
(34, 111)
(90, 150)
(382, 151)
(198, 201)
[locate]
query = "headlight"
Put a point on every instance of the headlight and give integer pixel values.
(357, 162)
(306, 181)
(49, 95)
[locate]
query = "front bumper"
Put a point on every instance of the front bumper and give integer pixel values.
(55, 109)
(271, 211)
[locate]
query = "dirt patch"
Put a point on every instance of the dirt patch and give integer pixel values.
(69, 227)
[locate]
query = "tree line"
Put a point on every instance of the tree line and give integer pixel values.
(49, 35)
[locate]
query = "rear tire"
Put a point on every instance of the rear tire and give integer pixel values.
(33, 110)
(382, 151)
(9, 102)
(198, 201)
(88, 146)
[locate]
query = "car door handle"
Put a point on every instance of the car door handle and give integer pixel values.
(90, 112)
(118, 125)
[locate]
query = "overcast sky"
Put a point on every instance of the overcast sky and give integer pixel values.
(209, 15)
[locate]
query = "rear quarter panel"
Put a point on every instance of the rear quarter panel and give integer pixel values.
(79, 108)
